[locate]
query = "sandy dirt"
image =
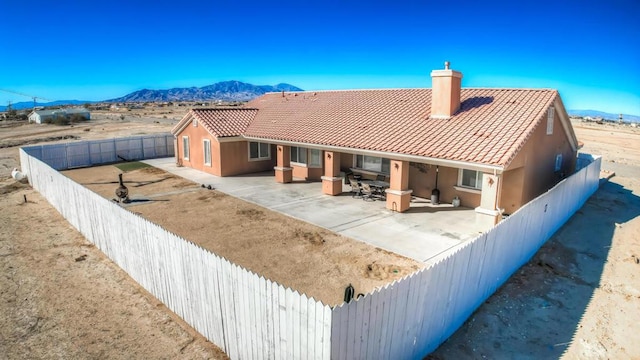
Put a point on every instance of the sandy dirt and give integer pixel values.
(293, 253)
(577, 298)
(62, 298)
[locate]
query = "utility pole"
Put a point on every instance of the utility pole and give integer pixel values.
(30, 96)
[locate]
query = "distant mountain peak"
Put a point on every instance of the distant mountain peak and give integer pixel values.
(230, 90)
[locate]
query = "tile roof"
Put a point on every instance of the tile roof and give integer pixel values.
(491, 126)
(220, 122)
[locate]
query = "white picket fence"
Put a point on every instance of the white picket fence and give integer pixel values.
(95, 152)
(413, 316)
(246, 315)
(250, 317)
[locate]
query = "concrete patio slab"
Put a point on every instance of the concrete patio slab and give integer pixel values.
(424, 233)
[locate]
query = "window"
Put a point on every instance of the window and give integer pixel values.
(206, 145)
(558, 162)
(470, 179)
(550, 113)
(185, 147)
(195, 122)
(298, 155)
(373, 163)
(303, 156)
(315, 158)
(259, 151)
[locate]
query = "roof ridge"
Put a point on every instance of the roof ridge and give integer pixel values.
(407, 88)
(229, 108)
(342, 90)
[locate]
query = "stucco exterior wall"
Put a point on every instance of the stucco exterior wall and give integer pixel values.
(422, 183)
(235, 159)
(537, 159)
(196, 136)
(227, 157)
(307, 173)
(512, 186)
(346, 161)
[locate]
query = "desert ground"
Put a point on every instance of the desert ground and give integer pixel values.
(291, 252)
(60, 297)
(578, 298)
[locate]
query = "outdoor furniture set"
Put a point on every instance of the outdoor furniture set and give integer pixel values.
(368, 190)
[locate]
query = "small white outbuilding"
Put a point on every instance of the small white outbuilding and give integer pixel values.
(44, 116)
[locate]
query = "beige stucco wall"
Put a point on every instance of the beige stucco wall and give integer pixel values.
(196, 136)
(423, 184)
(346, 161)
(227, 158)
(235, 159)
(512, 186)
(533, 169)
(307, 173)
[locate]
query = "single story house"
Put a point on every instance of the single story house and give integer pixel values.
(493, 149)
(44, 116)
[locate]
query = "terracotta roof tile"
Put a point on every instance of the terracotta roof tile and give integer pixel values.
(220, 122)
(490, 127)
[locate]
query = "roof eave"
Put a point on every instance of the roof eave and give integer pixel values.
(182, 123)
(496, 169)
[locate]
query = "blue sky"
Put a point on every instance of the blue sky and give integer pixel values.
(96, 50)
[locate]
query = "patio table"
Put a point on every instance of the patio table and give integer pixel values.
(378, 185)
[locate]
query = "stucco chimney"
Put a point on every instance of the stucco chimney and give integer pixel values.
(445, 92)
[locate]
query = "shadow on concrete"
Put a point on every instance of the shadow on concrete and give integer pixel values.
(434, 209)
(537, 312)
(270, 173)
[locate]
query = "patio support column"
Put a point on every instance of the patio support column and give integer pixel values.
(488, 214)
(331, 181)
(283, 169)
(398, 193)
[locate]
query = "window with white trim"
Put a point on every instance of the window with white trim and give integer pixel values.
(315, 158)
(373, 163)
(302, 156)
(550, 114)
(558, 162)
(299, 155)
(185, 147)
(259, 151)
(470, 179)
(206, 145)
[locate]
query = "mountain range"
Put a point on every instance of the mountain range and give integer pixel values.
(240, 91)
(29, 104)
(224, 91)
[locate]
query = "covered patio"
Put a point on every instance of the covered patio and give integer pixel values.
(425, 232)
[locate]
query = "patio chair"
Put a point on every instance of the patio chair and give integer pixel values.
(356, 190)
(379, 193)
(367, 192)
